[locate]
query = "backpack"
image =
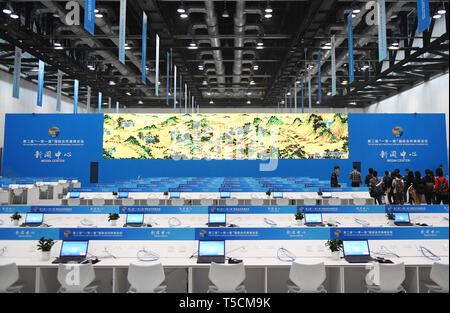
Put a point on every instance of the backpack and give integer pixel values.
(398, 185)
(442, 187)
(378, 188)
(429, 184)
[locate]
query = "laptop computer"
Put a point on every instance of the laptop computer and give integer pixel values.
(356, 251)
(277, 195)
(134, 220)
(175, 195)
(313, 219)
(225, 195)
(72, 251)
(74, 194)
(211, 251)
(402, 219)
(217, 220)
(122, 194)
(33, 220)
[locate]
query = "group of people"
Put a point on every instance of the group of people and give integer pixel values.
(393, 188)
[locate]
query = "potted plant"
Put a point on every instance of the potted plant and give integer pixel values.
(15, 218)
(45, 245)
(268, 193)
(391, 218)
(335, 246)
(114, 193)
(299, 218)
(166, 193)
(113, 217)
(320, 193)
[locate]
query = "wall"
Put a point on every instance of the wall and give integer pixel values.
(27, 101)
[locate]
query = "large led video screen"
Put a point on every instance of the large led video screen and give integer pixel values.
(225, 136)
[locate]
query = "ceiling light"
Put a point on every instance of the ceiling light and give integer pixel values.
(99, 15)
(436, 16)
(181, 9)
(211, 102)
(201, 68)
(255, 67)
(288, 94)
(260, 43)
(249, 102)
(14, 16)
(352, 103)
(353, 15)
(344, 82)
(7, 11)
(395, 44)
(204, 83)
(208, 93)
(268, 8)
(252, 82)
(442, 11)
(329, 93)
(268, 15)
(96, 11)
(128, 93)
(356, 11)
(225, 13)
(57, 44)
(249, 93)
(140, 102)
(393, 48)
(184, 15)
(394, 16)
(111, 83)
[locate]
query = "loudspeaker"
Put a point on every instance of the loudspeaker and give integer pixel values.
(94, 173)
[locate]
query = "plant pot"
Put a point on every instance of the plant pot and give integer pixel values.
(335, 255)
(113, 222)
(300, 222)
(391, 223)
(15, 222)
(45, 256)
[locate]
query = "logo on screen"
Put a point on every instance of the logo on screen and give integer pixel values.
(203, 233)
(397, 131)
(54, 131)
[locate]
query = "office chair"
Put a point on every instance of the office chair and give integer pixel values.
(439, 275)
(206, 202)
(146, 278)
(282, 201)
(98, 201)
(226, 278)
(306, 278)
(73, 201)
(128, 201)
(9, 276)
(77, 278)
(386, 278)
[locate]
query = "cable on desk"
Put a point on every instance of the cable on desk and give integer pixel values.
(147, 256)
(1, 222)
(361, 222)
(174, 221)
(270, 222)
(86, 222)
(194, 255)
(109, 254)
(2, 251)
(431, 256)
(285, 255)
(385, 251)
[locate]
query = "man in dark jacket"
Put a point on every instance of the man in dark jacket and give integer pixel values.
(387, 186)
(429, 183)
(334, 182)
(368, 177)
(355, 177)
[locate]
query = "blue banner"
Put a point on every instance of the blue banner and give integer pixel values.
(79, 209)
(352, 209)
(144, 48)
(58, 90)
(122, 29)
(76, 85)
(167, 78)
(117, 107)
(148, 233)
(40, 87)
(89, 16)
(99, 102)
(16, 76)
(11, 209)
(390, 233)
(382, 41)
(269, 209)
(157, 67)
(164, 209)
(28, 233)
(351, 73)
(302, 83)
(290, 233)
(333, 65)
(417, 208)
(423, 15)
(319, 74)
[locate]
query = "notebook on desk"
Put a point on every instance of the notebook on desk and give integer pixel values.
(313, 219)
(402, 219)
(33, 220)
(134, 220)
(217, 220)
(211, 251)
(72, 251)
(356, 251)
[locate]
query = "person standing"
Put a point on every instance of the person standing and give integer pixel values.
(387, 186)
(428, 181)
(355, 177)
(368, 177)
(408, 183)
(418, 188)
(334, 181)
(398, 187)
(376, 188)
(441, 187)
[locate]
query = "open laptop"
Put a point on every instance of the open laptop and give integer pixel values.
(211, 251)
(225, 195)
(313, 219)
(74, 194)
(175, 195)
(217, 220)
(356, 251)
(402, 219)
(277, 195)
(33, 220)
(134, 220)
(122, 195)
(72, 251)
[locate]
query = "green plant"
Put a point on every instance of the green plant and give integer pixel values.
(113, 217)
(334, 245)
(166, 193)
(390, 216)
(114, 193)
(320, 193)
(16, 216)
(45, 244)
(268, 193)
(299, 216)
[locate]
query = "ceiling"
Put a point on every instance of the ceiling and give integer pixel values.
(228, 67)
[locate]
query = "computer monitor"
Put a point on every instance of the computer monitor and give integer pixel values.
(356, 247)
(5, 186)
(123, 194)
(133, 218)
(74, 194)
(174, 194)
(74, 248)
(278, 195)
(211, 248)
(34, 218)
(225, 194)
(313, 218)
(217, 218)
(401, 217)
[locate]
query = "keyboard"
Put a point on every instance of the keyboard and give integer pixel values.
(210, 259)
(68, 260)
(359, 259)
